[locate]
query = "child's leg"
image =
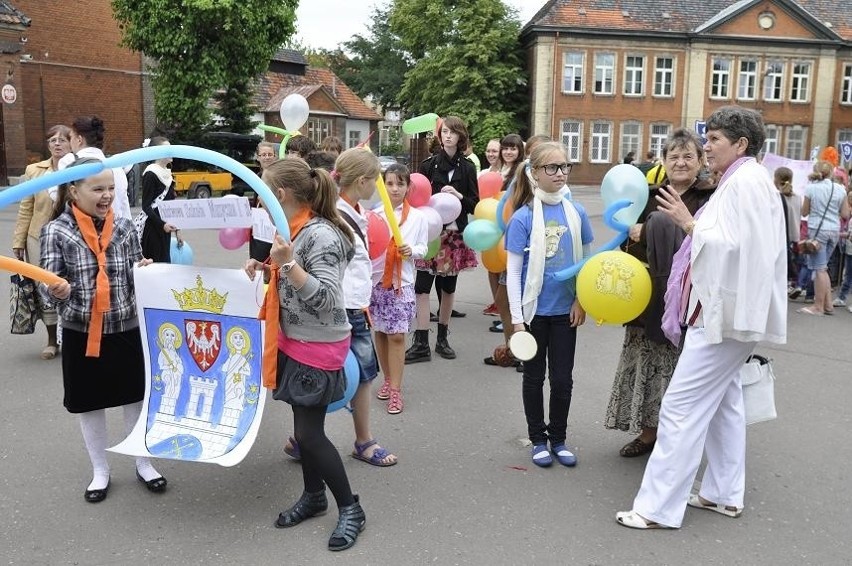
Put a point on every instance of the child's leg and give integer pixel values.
(422, 288)
(560, 362)
(396, 359)
(93, 426)
(847, 278)
(321, 463)
(381, 340)
(143, 465)
(533, 382)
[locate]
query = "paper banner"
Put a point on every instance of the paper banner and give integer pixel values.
(801, 169)
(203, 345)
(213, 213)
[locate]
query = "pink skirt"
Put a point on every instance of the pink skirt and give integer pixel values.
(453, 256)
(392, 311)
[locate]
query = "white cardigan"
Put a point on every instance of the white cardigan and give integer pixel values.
(739, 260)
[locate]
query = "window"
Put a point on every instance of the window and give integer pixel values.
(773, 81)
(800, 82)
(721, 82)
(631, 134)
(747, 80)
(571, 135)
(601, 142)
(354, 138)
(634, 69)
(318, 128)
(846, 87)
(663, 76)
(572, 75)
(659, 135)
(772, 142)
(796, 137)
(604, 73)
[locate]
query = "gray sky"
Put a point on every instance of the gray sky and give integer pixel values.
(328, 23)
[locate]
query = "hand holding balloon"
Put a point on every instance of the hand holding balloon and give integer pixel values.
(60, 290)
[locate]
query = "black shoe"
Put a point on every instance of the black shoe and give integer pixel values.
(156, 485)
(349, 525)
(96, 495)
(442, 347)
(309, 505)
(457, 314)
(520, 367)
(419, 350)
(433, 317)
(496, 328)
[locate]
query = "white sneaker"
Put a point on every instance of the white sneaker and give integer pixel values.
(849, 309)
(838, 302)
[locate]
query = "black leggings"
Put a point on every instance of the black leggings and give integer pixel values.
(320, 460)
(444, 284)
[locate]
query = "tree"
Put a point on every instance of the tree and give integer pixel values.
(235, 107)
(201, 46)
(468, 62)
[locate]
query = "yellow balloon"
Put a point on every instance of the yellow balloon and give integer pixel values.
(486, 209)
(494, 259)
(613, 287)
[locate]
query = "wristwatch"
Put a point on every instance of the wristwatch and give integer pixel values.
(286, 267)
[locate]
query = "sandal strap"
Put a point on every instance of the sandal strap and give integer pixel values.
(359, 448)
(350, 523)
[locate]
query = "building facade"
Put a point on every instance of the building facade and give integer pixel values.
(608, 78)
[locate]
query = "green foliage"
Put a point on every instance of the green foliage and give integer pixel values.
(468, 62)
(393, 144)
(201, 46)
(235, 107)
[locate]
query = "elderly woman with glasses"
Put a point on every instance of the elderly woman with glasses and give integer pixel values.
(728, 289)
(647, 357)
(33, 213)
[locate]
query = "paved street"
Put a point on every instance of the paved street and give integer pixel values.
(464, 492)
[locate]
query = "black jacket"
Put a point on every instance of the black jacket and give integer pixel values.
(437, 168)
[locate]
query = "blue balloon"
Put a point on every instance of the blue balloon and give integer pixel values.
(18, 192)
(482, 234)
(180, 255)
(501, 205)
(611, 221)
(624, 181)
(353, 378)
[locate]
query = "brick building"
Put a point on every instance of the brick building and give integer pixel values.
(13, 35)
(613, 76)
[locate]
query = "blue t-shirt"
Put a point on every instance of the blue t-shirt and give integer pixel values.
(556, 297)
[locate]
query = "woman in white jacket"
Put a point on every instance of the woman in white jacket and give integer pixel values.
(728, 288)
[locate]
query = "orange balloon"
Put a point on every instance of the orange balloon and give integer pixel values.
(34, 272)
(508, 210)
(494, 259)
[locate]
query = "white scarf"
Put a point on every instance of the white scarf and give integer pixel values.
(164, 174)
(535, 266)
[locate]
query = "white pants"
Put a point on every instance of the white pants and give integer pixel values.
(702, 410)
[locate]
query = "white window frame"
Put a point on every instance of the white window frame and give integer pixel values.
(572, 139)
(600, 145)
(773, 81)
(773, 139)
(747, 79)
(657, 138)
(604, 73)
(576, 72)
(664, 77)
(631, 141)
(796, 138)
(846, 85)
(318, 129)
(800, 81)
(720, 80)
(634, 76)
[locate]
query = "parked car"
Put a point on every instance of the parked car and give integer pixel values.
(203, 180)
(386, 161)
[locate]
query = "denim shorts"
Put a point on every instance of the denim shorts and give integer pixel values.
(362, 345)
(819, 260)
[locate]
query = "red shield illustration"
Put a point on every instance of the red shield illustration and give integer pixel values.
(203, 339)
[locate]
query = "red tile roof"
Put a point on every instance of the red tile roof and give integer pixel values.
(12, 16)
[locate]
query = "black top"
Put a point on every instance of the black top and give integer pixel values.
(437, 169)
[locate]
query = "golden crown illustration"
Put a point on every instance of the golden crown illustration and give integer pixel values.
(199, 298)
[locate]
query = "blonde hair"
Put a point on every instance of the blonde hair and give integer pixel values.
(822, 170)
(784, 180)
(355, 163)
(313, 187)
(522, 193)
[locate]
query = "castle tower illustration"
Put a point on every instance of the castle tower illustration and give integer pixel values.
(201, 389)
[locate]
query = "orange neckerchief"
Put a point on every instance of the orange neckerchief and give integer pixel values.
(100, 302)
(392, 276)
(269, 311)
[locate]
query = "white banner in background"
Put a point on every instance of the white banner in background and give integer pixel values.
(193, 214)
(203, 347)
(801, 169)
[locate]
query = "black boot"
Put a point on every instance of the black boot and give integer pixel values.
(442, 347)
(419, 351)
(309, 505)
(349, 525)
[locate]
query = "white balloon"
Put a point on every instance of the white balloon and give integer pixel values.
(434, 222)
(294, 112)
(448, 206)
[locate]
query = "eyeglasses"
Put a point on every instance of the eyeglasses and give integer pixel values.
(57, 141)
(552, 168)
(266, 155)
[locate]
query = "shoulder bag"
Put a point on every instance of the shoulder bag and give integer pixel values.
(811, 246)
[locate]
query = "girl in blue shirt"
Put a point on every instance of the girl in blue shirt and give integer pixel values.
(546, 234)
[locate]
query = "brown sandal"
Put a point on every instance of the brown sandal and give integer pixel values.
(636, 448)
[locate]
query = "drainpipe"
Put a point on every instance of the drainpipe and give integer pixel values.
(556, 90)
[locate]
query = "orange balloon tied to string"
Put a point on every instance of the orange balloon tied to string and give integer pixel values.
(34, 272)
(494, 259)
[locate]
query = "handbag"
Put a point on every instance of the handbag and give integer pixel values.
(810, 246)
(758, 382)
(23, 306)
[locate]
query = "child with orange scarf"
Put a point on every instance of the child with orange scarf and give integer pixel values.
(392, 304)
(102, 360)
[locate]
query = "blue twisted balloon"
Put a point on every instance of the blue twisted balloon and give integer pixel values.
(18, 192)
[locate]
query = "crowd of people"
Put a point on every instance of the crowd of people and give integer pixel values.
(715, 223)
